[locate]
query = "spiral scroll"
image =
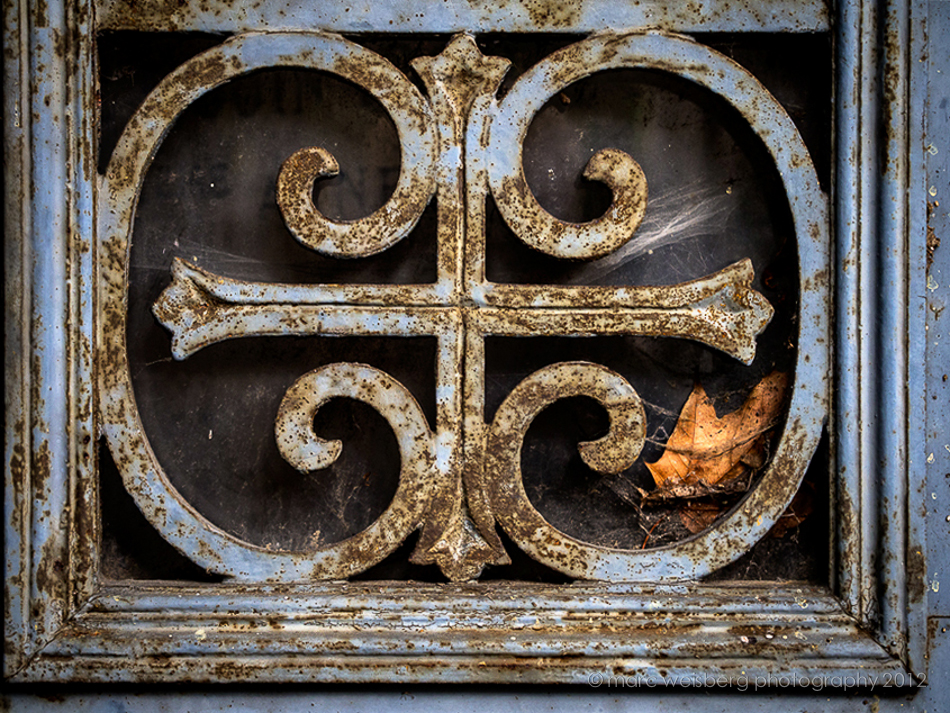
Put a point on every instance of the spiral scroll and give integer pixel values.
(394, 220)
(578, 241)
(533, 225)
(356, 238)
(305, 451)
(613, 453)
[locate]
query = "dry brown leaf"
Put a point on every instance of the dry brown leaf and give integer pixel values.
(696, 517)
(706, 453)
(800, 508)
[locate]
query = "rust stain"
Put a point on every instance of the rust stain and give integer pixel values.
(933, 242)
(916, 569)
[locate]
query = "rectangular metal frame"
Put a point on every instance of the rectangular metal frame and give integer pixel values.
(63, 623)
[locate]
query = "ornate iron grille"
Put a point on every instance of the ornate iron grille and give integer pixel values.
(458, 480)
(465, 497)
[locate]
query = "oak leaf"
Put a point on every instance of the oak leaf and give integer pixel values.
(708, 454)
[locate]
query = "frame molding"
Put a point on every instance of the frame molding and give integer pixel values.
(62, 623)
(453, 633)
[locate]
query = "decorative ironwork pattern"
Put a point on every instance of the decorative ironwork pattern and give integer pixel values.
(459, 480)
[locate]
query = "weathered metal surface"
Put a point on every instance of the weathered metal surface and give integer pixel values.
(394, 220)
(851, 217)
(16, 443)
(880, 232)
(49, 209)
(750, 520)
(555, 633)
(161, 633)
(178, 522)
(936, 497)
(201, 308)
(451, 16)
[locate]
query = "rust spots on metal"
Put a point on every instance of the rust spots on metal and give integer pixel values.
(172, 95)
(209, 71)
(893, 104)
(916, 569)
(40, 472)
(933, 242)
(48, 574)
(816, 282)
(40, 14)
(548, 15)
(456, 480)
(17, 463)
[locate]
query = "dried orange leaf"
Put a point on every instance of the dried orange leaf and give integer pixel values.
(707, 451)
(696, 517)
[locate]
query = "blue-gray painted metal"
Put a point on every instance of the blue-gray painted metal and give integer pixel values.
(917, 546)
(16, 337)
(893, 304)
(95, 644)
(936, 152)
(356, 633)
(879, 348)
(449, 16)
